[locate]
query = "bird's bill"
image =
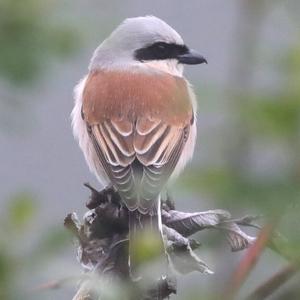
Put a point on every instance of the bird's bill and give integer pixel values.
(192, 57)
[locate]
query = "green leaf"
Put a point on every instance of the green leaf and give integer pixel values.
(22, 208)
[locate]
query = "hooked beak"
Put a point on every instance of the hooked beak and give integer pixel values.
(191, 58)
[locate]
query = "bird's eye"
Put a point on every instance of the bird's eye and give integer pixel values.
(161, 49)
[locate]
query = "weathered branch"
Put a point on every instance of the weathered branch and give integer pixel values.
(103, 244)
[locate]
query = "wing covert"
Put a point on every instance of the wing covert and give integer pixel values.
(139, 158)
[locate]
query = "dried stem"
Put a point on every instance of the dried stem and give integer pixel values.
(249, 260)
(273, 283)
(103, 245)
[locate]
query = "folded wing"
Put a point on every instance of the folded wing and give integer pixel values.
(138, 124)
(139, 156)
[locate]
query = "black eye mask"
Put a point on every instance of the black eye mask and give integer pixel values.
(160, 51)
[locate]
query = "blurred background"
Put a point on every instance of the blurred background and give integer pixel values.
(247, 158)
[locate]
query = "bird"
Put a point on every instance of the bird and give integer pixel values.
(135, 116)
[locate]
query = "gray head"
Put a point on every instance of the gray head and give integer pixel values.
(141, 40)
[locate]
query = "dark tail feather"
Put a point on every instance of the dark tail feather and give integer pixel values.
(146, 246)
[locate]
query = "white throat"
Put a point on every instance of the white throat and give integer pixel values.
(170, 66)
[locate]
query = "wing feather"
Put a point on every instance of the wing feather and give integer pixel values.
(123, 127)
(121, 140)
(139, 163)
(145, 125)
(143, 143)
(138, 133)
(155, 176)
(104, 147)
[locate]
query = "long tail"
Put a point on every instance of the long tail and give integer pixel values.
(147, 256)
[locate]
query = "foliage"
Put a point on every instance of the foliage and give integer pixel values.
(16, 224)
(28, 37)
(268, 117)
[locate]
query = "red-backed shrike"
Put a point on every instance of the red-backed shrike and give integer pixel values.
(135, 114)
